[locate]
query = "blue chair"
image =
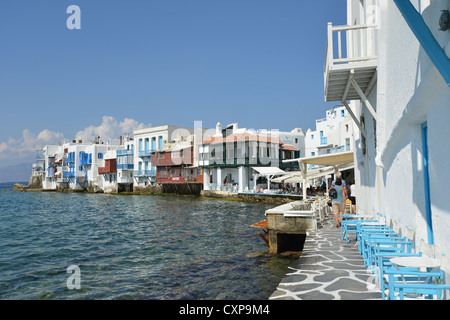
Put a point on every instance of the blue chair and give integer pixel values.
(416, 284)
(391, 275)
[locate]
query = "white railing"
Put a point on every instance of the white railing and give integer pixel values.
(359, 44)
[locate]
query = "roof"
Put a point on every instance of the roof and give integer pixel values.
(242, 137)
(288, 147)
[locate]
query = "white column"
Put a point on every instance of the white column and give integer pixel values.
(303, 170)
(243, 178)
(219, 178)
(206, 184)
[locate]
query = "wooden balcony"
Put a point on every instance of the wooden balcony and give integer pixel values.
(350, 63)
(110, 167)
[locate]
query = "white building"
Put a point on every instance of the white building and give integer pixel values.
(74, 165)
(334, 133)
(150, 140)
(232, 157)
(51, 154)
(125, 164)
(396, 76)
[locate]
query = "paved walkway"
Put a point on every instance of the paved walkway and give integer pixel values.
(328, 269)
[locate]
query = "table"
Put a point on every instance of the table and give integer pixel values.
(416, 262)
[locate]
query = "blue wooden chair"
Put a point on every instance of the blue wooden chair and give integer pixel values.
(392, 277)
(416, 284)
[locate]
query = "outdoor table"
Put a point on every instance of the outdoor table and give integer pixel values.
(416, 262)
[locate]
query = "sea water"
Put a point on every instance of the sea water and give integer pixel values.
(133, 247)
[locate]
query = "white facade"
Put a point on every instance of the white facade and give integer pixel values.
(125, 165)
(152, 139)
(74, 165)
(246, 149)
(107, 182)
(412, 104)
(50, 152)
(334, 133)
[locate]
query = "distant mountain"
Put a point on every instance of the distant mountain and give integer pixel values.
(16, 173)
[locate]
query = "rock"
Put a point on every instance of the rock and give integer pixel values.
(19, 187)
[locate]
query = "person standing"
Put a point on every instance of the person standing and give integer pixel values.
(352, 196)
(337, 203)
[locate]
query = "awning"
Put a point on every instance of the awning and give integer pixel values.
(271, 171)
(296, 177)
(330, 159)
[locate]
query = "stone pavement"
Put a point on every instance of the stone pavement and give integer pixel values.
(328, 269)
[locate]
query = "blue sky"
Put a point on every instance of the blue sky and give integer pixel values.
(256, 62)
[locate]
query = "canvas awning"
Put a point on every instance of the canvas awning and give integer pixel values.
(271, 171)
(336, 161)
(330, 159)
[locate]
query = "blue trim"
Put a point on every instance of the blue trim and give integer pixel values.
(426, 179)
(425, 37)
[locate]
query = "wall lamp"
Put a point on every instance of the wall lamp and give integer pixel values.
(444, 20)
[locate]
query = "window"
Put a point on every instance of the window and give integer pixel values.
(100, 155)
(342, 112)
(140, 145)
(313, 153)
(296, 140)
(347, 144)
(312, 137)
(160, 142)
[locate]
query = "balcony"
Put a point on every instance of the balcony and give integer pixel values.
(125, 152)
(110, 167)
(145, 173)
(69, 174)
(125, 166)
(145, 153)
(86, 159)
(353, 73)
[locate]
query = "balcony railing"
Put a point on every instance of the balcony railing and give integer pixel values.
(86, 159)
(111, 169)
(350, 54)
(69, 174)
(145, 173)
(145, 153)
(357, 34)
(123, 166)
(125, 152)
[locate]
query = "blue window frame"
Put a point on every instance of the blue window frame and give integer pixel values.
(100, 155)
(426, 179)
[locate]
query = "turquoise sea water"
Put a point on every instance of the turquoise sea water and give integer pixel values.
(133, 247)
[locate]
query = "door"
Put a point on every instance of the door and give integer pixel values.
(426, 179)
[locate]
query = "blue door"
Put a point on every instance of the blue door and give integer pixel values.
(426, 179)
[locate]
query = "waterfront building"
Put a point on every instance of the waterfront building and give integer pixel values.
(147, 141)
(334, 133)
(52, 156)
(125, 164)
(38, 167)
(83, 161)
(175, 162)
(74, 165)
(108, 172)
(391, 71)
(231, 158)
